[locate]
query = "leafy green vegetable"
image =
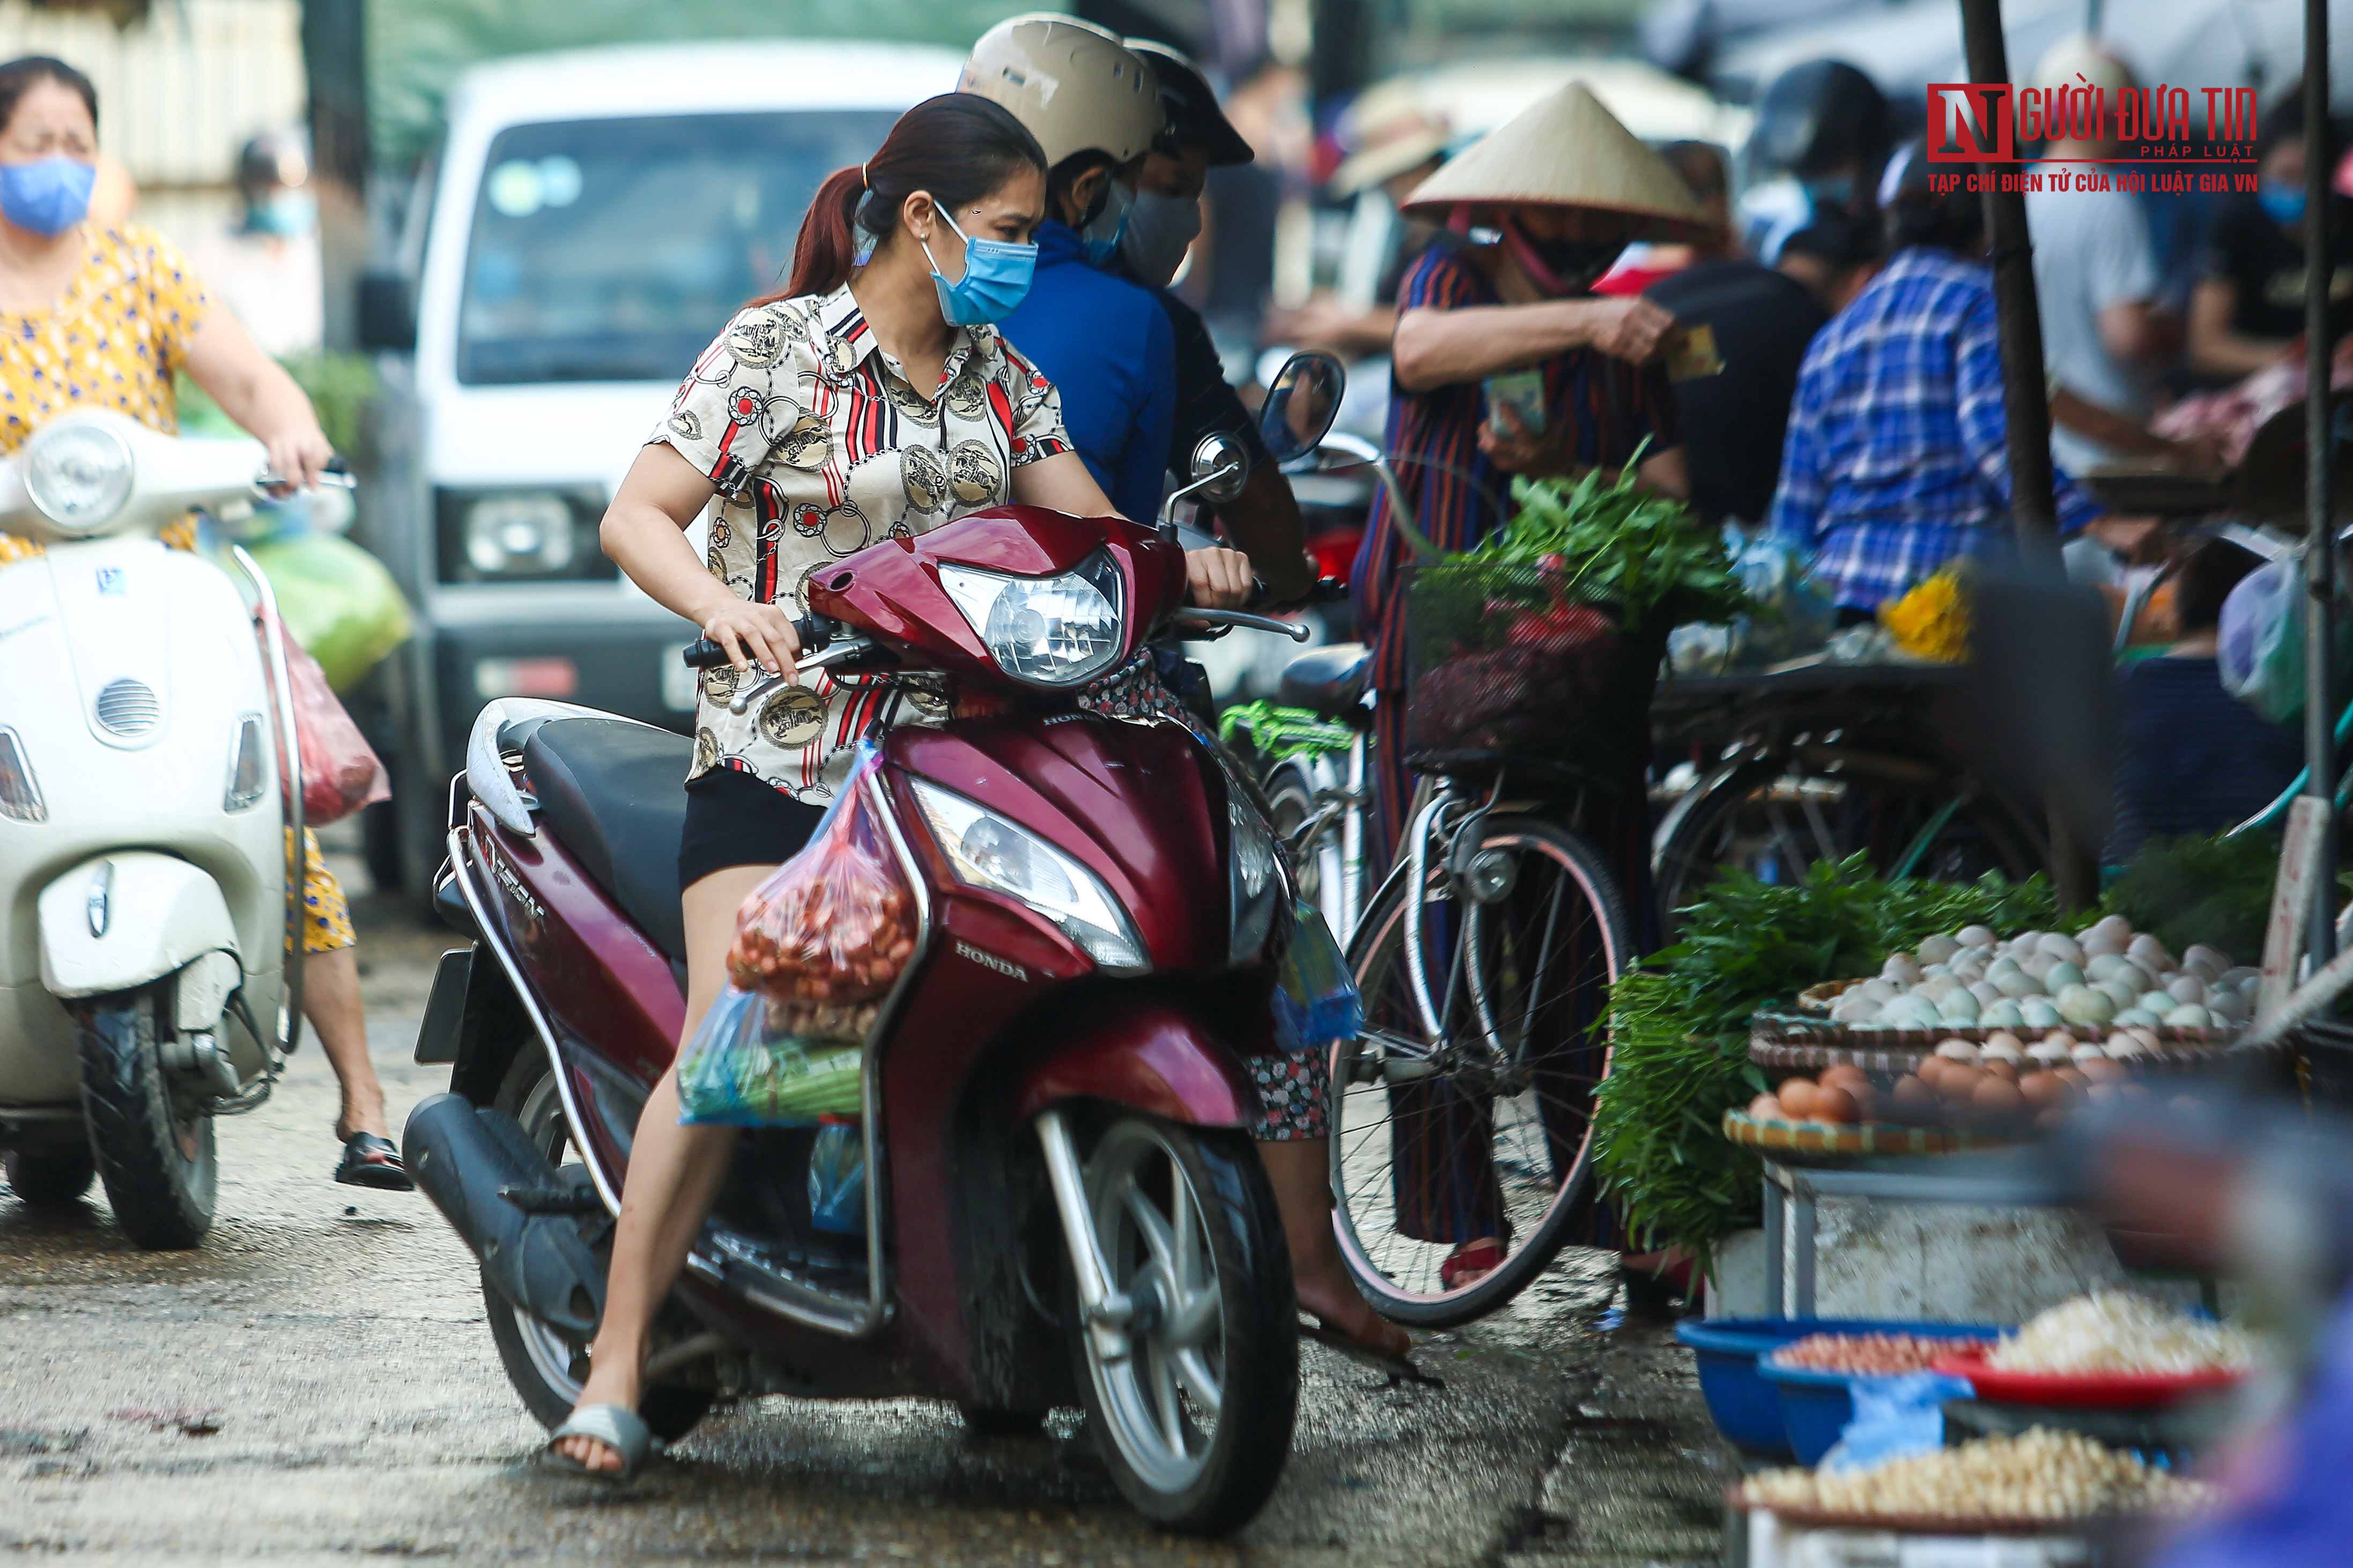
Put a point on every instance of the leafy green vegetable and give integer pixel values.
(1681, 1025)
(2200, 888)
(1631, 547)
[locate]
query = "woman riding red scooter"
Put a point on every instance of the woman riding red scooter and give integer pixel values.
(871, 399)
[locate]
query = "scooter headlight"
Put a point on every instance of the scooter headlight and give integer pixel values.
(1048, 631)
(987, 851)
(78, 475)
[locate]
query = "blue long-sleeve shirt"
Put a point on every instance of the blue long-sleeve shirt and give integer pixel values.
(1895, 460)
(1106, 345)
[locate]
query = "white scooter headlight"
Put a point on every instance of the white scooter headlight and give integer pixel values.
(987, 851)
(1048, 631)
(78, 474)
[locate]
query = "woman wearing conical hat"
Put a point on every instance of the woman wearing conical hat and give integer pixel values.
(1555, 194)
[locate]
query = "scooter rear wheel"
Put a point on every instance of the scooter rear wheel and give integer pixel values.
(154, 1139)
(1194, 1420)
(546, 1368)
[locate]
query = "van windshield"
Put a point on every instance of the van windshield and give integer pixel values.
(616, 249)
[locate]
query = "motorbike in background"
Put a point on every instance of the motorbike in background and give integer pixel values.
(151, 817)
(1060, 1200)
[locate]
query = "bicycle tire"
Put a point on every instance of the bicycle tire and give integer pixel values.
(1400, 1272)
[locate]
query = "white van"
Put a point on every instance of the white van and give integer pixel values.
(591, 220)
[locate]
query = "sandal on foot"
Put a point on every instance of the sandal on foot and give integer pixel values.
(372, 1161)
(1391, 1353)
(1481, 1258)
(617, 1427)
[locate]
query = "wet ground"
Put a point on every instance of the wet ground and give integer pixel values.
(316, 1385)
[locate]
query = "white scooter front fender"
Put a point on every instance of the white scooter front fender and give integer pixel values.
(118, 921)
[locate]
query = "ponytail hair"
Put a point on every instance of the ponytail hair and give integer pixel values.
(958, 146)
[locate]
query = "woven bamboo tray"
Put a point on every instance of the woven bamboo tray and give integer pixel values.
(1857, 1139)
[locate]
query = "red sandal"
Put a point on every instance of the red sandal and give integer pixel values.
(1477, 1257)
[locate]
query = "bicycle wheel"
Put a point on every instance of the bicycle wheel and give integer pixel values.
(1486, 1128)
(1776, 818)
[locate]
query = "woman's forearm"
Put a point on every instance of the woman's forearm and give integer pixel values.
(646, 543)
(250, 387)
(1440, 348)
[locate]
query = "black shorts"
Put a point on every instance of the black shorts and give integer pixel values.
(734, 819)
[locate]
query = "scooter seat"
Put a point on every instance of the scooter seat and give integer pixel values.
(1329, 681)
(615, 793)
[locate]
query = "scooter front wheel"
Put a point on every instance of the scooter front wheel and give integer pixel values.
(154, 1139)
(1192, 1396)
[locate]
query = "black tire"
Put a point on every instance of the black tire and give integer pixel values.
(154, 1147)
(545, 1369)
(1773, 819)
(1528, 1153)
(1255, 1363)
(1290, 807)
(51, 1181)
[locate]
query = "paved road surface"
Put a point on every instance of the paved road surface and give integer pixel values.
(316, 1385)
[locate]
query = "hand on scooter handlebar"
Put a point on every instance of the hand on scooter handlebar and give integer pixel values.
(812, 632)
(336, 475)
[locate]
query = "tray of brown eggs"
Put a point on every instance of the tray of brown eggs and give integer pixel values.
(1961, 1096)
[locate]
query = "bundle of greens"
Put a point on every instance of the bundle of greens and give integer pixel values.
(1681, 1026)
(1618, 544)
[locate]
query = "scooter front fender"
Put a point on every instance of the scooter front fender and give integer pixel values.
(118, 921)
(1149, 1055)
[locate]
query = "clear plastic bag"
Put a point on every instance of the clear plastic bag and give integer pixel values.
(1316, 999)
(750, 1066)
(836, 923)
(338, 601)
(2261, 656)
(341, 772)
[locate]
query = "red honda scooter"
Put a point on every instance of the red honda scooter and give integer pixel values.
(1061, 1202)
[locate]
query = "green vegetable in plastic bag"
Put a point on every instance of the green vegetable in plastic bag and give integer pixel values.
(747, 1067)
(340, 602)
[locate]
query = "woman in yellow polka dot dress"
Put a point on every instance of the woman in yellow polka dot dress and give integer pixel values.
(105, 316)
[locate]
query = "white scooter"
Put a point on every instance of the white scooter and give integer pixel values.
(149, 825)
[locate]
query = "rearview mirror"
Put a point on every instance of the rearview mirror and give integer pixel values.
(1219, 467)
(1301, 404)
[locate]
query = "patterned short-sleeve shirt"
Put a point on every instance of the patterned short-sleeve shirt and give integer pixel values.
(820, 446)
(113, 342)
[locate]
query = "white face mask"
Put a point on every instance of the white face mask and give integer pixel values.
(1160, 229)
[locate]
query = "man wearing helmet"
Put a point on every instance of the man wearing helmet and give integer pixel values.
(1821, 137)
(1103, 341)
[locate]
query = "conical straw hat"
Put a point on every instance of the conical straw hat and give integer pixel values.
(1568, 150)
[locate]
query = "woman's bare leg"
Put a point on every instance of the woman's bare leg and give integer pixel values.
(674, 1173)
(331, 1001)
(1300, 1171)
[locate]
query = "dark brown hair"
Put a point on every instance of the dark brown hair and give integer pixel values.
(958, 146)
(2205, 578)
(18, 75)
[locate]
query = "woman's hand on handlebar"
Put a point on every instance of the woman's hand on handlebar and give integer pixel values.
(749, 632)
(1218, 579)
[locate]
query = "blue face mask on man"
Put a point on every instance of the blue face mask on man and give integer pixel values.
(2283, 202)
(997, 274)
(47, 196)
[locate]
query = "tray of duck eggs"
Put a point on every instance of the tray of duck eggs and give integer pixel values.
(2109, 993)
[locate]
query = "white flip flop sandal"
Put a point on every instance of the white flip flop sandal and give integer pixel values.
(617, 1427)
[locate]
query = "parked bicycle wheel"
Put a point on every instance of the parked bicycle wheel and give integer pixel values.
(1776, 817)
(1483, 1127)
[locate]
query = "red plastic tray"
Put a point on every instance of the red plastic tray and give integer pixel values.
(2089, 1391)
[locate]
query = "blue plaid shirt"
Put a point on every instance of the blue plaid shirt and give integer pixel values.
(1895, 462)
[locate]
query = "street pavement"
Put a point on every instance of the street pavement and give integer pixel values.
(316, 1385)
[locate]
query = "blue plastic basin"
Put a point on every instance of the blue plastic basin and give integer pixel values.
(1817, 1405)
(1747, 1409)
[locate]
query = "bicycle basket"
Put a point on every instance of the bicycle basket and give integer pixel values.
(1515, 665)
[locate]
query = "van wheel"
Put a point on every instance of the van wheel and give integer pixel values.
(51, 1181)
(546, 1368)
(154, 1143)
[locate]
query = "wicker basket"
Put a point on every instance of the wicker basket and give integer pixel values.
(1516, 666)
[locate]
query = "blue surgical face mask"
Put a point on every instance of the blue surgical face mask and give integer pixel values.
(49, 197)
(997, 274)
(2283, 202)
(288, 213)
(1100, 238)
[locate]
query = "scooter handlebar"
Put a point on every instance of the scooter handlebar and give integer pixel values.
(814, 632)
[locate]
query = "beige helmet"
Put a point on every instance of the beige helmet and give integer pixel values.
(1076, 87)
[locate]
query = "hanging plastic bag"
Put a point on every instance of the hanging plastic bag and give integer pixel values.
(341, 772)
(1894, 1417)
(749, 1066)
(1793, 615)
(832, 927)
(1315, 1000)
(2262, 641)
(338, 601)
(837, 1178)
